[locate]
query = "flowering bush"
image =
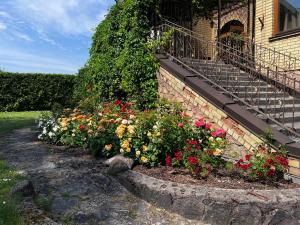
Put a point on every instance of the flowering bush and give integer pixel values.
(165, 136)
(264, 164)
(50, 129)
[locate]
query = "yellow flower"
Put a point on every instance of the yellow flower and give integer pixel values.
(144, 159)
(157, 134)
(217, 152)
(108, 147)
(131, 129)
(120, 130)
(125, 144)
(128, 150)
(145, 148)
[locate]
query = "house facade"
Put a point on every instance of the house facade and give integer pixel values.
(267, 24)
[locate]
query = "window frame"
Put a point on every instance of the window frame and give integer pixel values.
(281, 34)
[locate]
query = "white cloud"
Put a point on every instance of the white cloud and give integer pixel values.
(65, 16)
(38, 63)
(4, 14)
(21, 36)
(2, 26)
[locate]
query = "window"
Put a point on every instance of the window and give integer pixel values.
(288, 15)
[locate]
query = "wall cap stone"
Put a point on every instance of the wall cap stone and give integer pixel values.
(216, 205)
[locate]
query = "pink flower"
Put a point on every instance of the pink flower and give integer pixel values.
(201, 118)
(180, 125)
(199, 123)
(219, 133)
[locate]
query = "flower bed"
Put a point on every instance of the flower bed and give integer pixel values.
(165, 136)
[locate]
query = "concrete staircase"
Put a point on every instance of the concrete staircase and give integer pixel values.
(259, 94)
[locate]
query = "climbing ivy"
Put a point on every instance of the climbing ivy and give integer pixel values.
(121, 63)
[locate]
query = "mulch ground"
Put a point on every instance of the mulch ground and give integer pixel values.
(217, 180)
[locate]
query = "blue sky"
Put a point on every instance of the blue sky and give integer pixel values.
(49, 36)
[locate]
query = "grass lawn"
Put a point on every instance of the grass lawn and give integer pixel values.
(14, 120)
(8, 210)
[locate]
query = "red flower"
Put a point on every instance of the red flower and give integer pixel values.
(270, 161)
(271, 173)
(245, 166)
(208, 126)
(178, 156)
(248, 157)
(192, 142)
(168, 160)
(118, 102)
(282, 160)
(200, 123)
(82, 127)
(180, 125)
(193, 160)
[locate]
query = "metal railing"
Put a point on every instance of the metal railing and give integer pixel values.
(264, 89)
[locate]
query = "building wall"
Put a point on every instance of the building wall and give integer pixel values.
(265, 11)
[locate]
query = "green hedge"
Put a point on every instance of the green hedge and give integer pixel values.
(22, 92)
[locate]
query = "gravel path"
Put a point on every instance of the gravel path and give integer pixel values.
(74, 188)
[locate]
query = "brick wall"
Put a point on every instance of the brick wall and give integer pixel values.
(265, 11)
(240, 139)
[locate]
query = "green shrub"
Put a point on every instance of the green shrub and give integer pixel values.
(122, 63)
(26, 92)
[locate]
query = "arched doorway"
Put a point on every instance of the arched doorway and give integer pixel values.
(232, 34)
(232, 41)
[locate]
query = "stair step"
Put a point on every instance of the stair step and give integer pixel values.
(261, 95)
(277, 108)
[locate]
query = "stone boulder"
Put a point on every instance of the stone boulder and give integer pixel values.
(24, 188)
(118, 164)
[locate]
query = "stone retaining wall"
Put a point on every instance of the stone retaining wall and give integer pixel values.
(216, 205)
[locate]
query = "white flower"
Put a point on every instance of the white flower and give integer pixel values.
(44, 130)
(124, 121)
(155, 127)
(4, 202)
(55, 129)
(51, 134)
(40, 137)
(74, 130)
(138, 153)
(129, 122)
(121, 150)
(132, 117)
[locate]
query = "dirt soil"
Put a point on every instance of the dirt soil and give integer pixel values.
(217, 180)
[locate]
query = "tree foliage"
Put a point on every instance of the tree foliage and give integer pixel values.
(121, 64)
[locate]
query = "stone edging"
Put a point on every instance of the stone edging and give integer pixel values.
(216, 205)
